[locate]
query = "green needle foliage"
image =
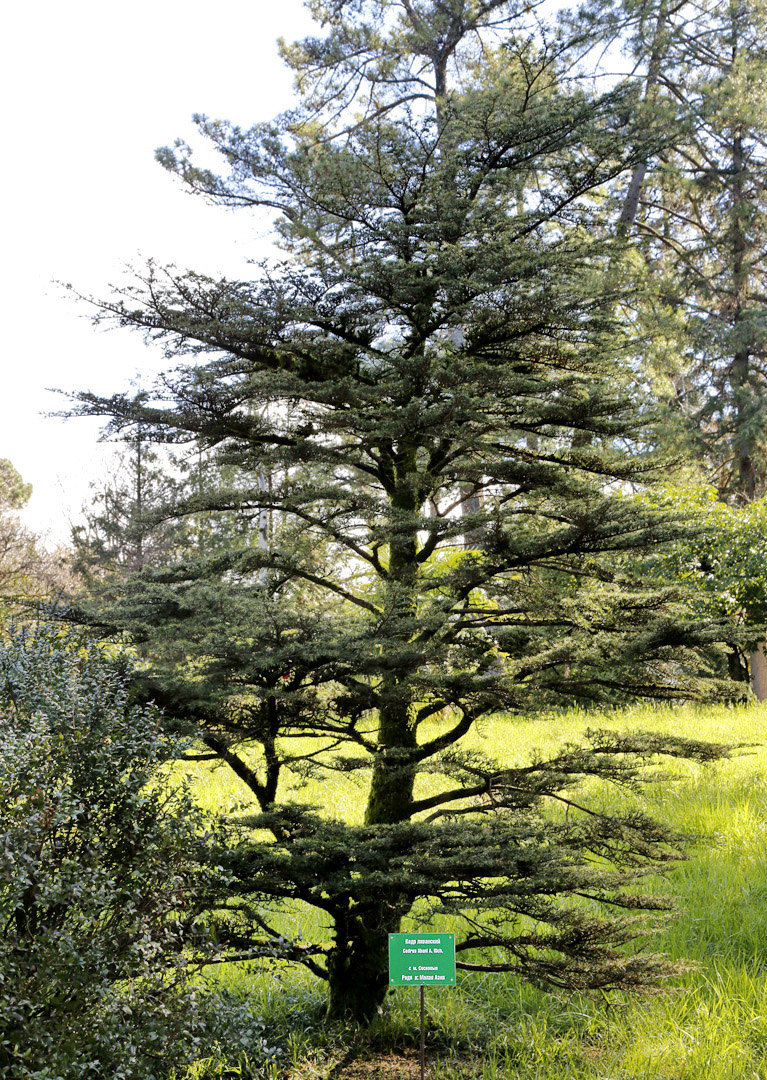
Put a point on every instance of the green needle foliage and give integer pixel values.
(697, 214)
(118, 535)
(430, 399)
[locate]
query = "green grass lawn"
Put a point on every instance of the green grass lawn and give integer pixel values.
(710, 1024)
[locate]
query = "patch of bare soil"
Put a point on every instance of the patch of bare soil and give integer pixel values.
(385, 1066)
(382, 1066)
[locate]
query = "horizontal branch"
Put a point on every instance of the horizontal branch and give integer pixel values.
(288, 952)
(449, 796)
(447, 739)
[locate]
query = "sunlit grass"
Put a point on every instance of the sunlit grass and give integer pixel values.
(711, 1024)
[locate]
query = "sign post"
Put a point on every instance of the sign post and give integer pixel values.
(422, 959)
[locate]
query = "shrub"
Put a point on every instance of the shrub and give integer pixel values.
(98, 857)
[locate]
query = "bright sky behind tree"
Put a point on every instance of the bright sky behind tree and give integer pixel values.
(90, 90)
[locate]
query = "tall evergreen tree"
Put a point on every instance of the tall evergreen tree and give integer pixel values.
(704, 220)
(131, 523)
(438, 330)
(123, 530)
(699, 215)
(700, 219)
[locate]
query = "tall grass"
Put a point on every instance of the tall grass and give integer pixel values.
(711, 1024)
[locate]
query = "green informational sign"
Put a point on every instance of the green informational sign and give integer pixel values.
(421, 959)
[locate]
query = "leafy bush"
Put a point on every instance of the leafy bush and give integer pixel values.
(727, 567)
(98, 857)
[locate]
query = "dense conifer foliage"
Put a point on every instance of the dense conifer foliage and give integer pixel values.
(700, 222)
(696, 216)
(118, 535)
(430, 399)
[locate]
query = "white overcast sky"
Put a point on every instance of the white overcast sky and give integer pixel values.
(91, 88)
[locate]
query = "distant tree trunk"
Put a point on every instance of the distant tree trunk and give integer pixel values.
(139, 562)
(657, 54)
(471, 500)
(471, 503)
(264, 530)
(744, 468)
(737, 664)
(757, 661)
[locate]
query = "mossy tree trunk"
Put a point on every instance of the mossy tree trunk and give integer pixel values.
(358, 968)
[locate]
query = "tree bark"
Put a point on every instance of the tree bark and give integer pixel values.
(745, 477)
(657, 54)
(358, 966)
(757, 662)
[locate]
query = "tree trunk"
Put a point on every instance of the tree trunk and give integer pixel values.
(745, 473)
(757, 662)
(471, 500)
(358, 967)
(737, 665)
(657, 54)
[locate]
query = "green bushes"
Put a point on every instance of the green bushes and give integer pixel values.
(97, 861)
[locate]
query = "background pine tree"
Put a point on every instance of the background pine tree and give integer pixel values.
(696, 215)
